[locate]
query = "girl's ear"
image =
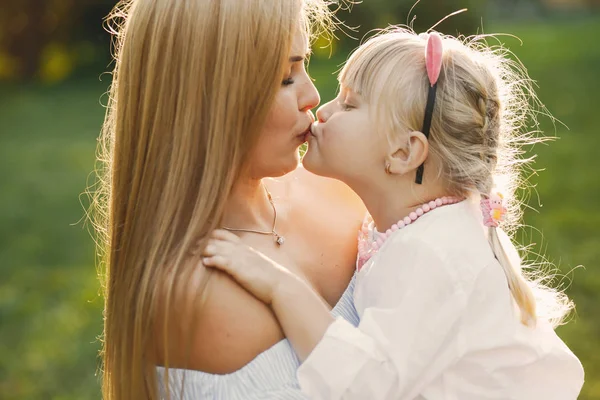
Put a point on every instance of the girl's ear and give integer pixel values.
(406, 157)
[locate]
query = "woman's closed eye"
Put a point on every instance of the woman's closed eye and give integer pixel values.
(289, 77)
(298, 67)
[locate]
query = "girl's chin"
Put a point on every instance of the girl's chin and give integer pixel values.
(313, 162)
(309, 161)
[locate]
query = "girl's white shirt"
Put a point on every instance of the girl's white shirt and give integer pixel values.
(438, 322)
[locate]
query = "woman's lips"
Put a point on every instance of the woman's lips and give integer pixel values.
(306, 134)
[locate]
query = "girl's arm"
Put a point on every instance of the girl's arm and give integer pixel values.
(409, 325)
(302, 313)
(411, 300)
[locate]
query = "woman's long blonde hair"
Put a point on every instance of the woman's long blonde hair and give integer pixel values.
(484, 103)
(193, 83)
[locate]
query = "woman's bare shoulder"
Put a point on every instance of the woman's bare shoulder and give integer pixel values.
(230, 326)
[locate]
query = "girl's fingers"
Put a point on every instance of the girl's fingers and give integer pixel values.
(218, 262)
(209, 251)
(215, 247)
(222, 234)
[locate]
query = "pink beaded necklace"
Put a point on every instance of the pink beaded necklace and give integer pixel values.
(368, 246)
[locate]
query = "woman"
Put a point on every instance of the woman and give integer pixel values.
(209, 99)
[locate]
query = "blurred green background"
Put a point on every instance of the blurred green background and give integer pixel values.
(52, 89)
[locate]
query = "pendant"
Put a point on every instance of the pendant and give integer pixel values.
(279, 240)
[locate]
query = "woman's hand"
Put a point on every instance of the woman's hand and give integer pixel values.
(254, 271)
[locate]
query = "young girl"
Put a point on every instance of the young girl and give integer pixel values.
(426, 131)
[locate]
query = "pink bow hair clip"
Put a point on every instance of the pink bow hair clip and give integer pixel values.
(433, 62)
(433, 57)
(493, 209)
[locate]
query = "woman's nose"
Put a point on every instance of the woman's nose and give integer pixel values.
(310, 97)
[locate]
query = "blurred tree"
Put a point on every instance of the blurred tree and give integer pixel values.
(42, 39)
(25, 31)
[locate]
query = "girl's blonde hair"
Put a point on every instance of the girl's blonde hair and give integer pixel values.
(192, 86)
(484, 102)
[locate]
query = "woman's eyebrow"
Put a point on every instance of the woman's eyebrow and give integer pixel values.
(294, 59)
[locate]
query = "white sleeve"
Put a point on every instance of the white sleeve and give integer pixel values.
(408, 334)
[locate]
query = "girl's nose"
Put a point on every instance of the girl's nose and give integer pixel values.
(323, 113)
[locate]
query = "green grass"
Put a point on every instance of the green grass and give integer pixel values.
(50, 310)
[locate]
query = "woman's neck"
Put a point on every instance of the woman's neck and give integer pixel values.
(248, 207)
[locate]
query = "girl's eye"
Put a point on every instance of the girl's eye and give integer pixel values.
(346, 107)
(287, 82)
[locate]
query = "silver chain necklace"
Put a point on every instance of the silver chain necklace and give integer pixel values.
(278, 238)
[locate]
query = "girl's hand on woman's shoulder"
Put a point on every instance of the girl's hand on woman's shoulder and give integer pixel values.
(254, 271)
